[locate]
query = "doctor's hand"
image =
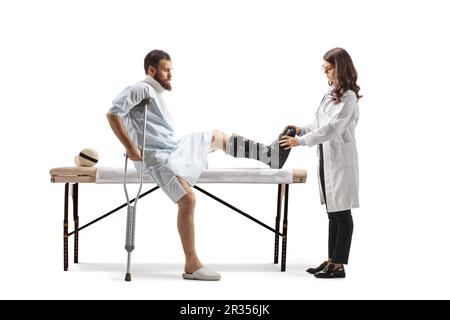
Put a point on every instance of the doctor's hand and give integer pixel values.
(134, 153)
(288, 142)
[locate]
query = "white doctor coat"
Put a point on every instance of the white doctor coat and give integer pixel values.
(334, 128)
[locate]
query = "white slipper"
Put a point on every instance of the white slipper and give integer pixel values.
(202, 274)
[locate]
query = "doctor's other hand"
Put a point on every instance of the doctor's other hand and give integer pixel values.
(297, 129)
(134, 153)
(288, 142)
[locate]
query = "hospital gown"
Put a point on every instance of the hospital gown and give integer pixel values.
(165, 156)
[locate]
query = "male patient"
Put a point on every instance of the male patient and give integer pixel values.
(175, 165)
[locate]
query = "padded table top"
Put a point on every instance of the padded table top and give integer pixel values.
(213, 175)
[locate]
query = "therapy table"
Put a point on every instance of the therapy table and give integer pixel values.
(73, 176)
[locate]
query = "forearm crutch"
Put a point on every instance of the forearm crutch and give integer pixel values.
(131, 207)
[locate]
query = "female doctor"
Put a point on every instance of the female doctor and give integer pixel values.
(333, 131)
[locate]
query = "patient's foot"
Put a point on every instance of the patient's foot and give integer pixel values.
(191, 266)
(278, 155)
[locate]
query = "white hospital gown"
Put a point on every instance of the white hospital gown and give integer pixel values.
(165, 156)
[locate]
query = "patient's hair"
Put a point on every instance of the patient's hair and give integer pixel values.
(153, 58)
(345, 71)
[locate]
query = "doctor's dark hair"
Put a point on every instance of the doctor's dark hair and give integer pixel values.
(153, 57)
(345, 72)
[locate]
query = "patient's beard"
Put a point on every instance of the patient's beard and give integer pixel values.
(165, 84)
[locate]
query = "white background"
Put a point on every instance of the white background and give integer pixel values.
(250, 67)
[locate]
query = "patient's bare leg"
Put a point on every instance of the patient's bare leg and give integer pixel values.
(185, 223)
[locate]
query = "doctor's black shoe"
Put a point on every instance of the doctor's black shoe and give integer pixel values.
(276, 149)
(318, 269)
(331, 272)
